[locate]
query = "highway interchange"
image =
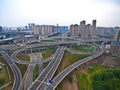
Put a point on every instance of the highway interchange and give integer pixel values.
(41, 83)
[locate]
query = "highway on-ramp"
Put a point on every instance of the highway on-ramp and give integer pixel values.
(65, 72)
(28, 62)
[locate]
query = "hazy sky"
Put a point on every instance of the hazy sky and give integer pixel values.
(63, 12)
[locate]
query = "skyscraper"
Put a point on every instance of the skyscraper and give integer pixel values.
(74, 30)
(0, 29)
(88, 31)
(37, 30)
(117, 35)
(93, 28)
(44, 30)
(83, 30)
(31, 26)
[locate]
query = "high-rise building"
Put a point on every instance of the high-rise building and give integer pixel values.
(93, 28)
(74, 30)
(83, 30)
(45, 30)
(63, 28)
(117, 35)
(26, 27)
(31, 26)
(105, 30)
(0, 29)
(88, 31)
(37, 29)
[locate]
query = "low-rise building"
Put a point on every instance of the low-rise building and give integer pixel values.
(104, 30)
(115, 48)
(117, 35)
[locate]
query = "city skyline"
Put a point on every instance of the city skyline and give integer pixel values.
(63, 12)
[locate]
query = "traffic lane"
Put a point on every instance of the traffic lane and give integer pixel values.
(45, 71)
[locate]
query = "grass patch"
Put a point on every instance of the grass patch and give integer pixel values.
(70, 78)
(59, 87)
(82, 81)
(71, 58)
(4, 73)
(47, 40)
(23, 57)
(2, 60)
(99, 78)
(48, 53)
(83, 48)
(106, 80)
(57, 38)
(23, 67)
(4, 76)
(35, 72)
(95, 68)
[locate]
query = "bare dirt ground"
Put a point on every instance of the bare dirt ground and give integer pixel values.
(66, 85)
(104, 60)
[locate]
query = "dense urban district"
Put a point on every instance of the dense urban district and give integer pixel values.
(53, 57)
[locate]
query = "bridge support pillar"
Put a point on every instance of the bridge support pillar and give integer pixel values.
(30, 50)
(25, 51)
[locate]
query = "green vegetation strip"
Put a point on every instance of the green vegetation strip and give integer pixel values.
(106, 80)
(4, 76)
(48, 53)
(83, 48)
(2, 60)
(23, 67)
(23, 57)
(82, 81)
(59, 87)
(99, 78)
(71, 58)
(70, 78)
(35, 73)
(4, 73)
